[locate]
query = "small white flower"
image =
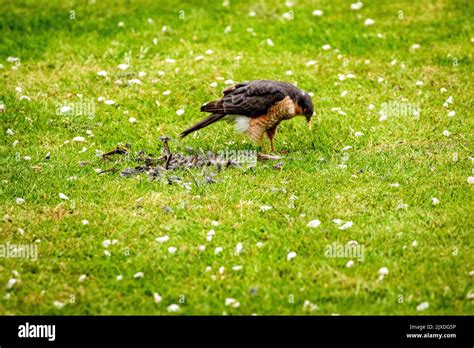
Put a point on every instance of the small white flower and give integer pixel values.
(422, 306)
(156, 297)
(356, 6)
(167, 92)
(232, 302)
(132, 120)
(419, 83)
(270, 42)
(63, 196)
(308, 305)
(211, 233)
(218, 250)
(414, 243)
(208, 269)
(209, 52)
(198, 58)
(313, 223)
(20, 201)
(138, 275)
(102, 73)
(383, 271)
(121, 24)
(371, 106)
(25, 97)
(172, 250)
(162, 239)
(289, 73)
(107, 253)
(291, 255)
(123, 66)
(141, 74)
(227, 29)
(470, 296)
(470, 181)
(401, 205)
(82, 278)
(173, 308)
(345, 148)
(344, 93)
(109, 102)
(443, 90)
(11, 282)
(326, 47)
(434, 201)
(311, 62)
(179, 112)
(85, 222)
(119, 277)
(213, 84)
(252, 14)
(347, 225)
(134, 82)
(452, 113)
(358, 134)
(12, 59)
(237, 268)
(350, 263)
(202, 248)
(395, 184)
(264, 208)
(65, 109)
(78, 139)
(415, 46)
(368, 22)
(238, 249)
(58, 304)
(318, 13)
(215, 223)
(259, 245)
(380, 79)
(221, 270)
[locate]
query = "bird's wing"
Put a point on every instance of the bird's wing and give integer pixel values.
(251, 99)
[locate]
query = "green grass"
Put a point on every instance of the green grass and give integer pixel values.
(60, 58)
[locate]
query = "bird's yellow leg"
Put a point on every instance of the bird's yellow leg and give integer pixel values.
(262, 142)
(271, 135)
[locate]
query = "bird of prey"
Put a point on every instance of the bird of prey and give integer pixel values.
(257, 108)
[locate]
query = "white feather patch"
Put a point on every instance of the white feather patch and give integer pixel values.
(242, 124)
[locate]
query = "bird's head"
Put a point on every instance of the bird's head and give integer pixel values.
(306, 105)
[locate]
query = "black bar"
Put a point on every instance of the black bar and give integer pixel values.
(259, 330)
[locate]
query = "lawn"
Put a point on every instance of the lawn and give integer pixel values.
(387, 166)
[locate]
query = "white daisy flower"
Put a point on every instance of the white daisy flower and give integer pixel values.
(422, 306)
(368, 22)
(291, 255)
(173, 308)
(313, 223)
(138, 275)
(162, 239)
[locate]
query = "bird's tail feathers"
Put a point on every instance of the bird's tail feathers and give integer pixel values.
(201, 124)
